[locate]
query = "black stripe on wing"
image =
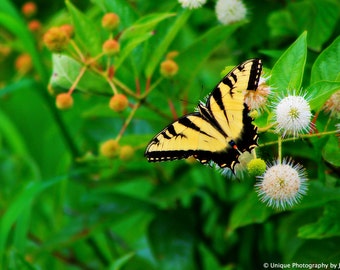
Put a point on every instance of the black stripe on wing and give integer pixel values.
(248, 137)
(255, 73)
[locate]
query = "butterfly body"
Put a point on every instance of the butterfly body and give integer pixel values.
(220, 130)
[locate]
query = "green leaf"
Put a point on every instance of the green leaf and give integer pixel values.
(121, 262)
(66, 71)
(318, 17)
(172, 233)
(324, 251)
(250, 210)
(166, 41)
(126, 13)
(22, 202)
(326, 226)
(320, 92)
(139, 32)
(13, 138)
(86, 32)
(287, 72)
(318, 190)
(280, 23)
(331, 151)
(193, 57)
(326, 66)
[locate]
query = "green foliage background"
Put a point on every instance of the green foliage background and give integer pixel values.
(63, 206)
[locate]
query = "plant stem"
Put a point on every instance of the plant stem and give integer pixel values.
(76, 81)
(128, 120)
(301, 137)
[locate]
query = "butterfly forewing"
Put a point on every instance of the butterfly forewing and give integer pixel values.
(226, 102)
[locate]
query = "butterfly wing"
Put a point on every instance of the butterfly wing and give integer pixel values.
(190, 135)
(221, 124)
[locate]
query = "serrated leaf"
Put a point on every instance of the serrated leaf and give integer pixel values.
(327, 226)
(86, 33)
(326, 66)
(287, 72)
(320, 92)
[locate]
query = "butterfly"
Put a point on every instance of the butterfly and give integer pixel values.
(219, 130)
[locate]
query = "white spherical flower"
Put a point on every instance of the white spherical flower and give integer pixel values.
(282, 184)
(229, 11)
(191, 4)
(293, 115)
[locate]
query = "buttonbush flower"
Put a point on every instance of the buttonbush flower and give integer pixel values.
(258, 99)
(293, 115)
(192, 4)
(332, 105)
(282, 184)
(229, 11)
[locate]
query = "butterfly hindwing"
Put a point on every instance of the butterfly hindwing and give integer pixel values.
(220, 130)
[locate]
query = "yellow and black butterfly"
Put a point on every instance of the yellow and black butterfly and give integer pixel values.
(220, 130)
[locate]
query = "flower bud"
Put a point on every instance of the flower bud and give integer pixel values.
(64, 101)
(23, 63)
(126, 152)
(169, 68)
(29, 9)
(118, 102)
(110, 21)
(256, 167)
(111, 47)
(55, 39)
(34, 26)
(172, 55)
(109, 148)
(68, 29)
